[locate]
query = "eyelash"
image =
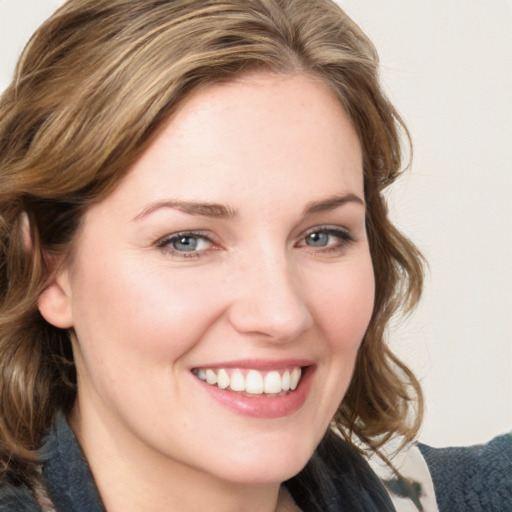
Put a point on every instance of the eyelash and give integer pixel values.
(343, 236)
(165, 244)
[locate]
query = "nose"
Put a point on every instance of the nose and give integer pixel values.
(269, 301)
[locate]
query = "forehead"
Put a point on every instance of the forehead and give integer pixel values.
(261, 134)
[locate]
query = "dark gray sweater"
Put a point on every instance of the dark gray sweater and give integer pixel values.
(475, 479)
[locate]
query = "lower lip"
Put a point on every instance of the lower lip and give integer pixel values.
(261, 406)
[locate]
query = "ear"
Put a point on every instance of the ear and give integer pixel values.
(55, 302)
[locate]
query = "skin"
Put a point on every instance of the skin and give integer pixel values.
(144, 314)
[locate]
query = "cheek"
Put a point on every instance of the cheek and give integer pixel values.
(345, 306)
(141, 314)
(135, 333)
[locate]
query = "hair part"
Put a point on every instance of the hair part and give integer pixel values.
(94, 87)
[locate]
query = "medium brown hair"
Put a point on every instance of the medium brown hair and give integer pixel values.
(93, 88)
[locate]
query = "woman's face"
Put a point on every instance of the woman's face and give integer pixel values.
(234, 251)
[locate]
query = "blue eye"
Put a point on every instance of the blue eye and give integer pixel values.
(185, 244)
(318, 239)
(327, 238)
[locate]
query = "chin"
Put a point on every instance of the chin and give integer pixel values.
(265, 467)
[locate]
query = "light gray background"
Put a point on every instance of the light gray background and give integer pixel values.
(447, 65)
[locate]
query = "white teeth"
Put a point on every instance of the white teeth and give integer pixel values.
(211, 377)
(294, 378)
(272, 383)
(253, 382)
(237, 382)
(222, 379)
(286, 380)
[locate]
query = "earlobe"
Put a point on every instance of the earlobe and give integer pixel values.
(55, 302)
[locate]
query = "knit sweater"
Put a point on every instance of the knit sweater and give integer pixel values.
(475, 479)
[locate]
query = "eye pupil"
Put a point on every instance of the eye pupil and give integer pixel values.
(317, 239)
(185, 243)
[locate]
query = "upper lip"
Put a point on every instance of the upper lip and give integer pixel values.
(260, 364)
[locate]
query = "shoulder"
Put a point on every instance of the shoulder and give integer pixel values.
(16, 498)
(472, 479)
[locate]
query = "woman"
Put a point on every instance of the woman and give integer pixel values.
(197, 266)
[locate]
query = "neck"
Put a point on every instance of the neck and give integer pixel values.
(285, 502)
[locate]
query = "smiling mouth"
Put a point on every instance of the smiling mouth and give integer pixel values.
(251, 382)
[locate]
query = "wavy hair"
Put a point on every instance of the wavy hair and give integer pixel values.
(93, 88)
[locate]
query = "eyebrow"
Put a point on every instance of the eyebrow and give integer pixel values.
(214, 210)
(331, 203)
(220, 211)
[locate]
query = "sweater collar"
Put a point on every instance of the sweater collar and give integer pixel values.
(66, 472)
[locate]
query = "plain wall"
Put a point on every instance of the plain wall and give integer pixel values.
(447, 65)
